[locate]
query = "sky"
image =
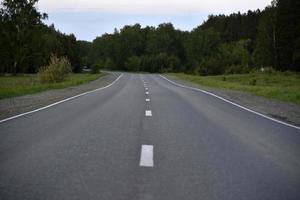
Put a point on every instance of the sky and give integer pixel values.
(88, 19)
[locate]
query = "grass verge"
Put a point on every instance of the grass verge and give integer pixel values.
(11, 86)
(283, 86)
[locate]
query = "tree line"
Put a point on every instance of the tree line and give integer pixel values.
(236, 43)
(26, 43)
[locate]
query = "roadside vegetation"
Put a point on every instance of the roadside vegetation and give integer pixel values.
(283, 86)
(235, 43)
(239, 43)
(57, 70)
(11, 86)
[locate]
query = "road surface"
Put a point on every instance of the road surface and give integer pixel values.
(144, 138)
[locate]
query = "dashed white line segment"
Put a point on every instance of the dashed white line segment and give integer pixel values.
(148, 113)
(146, 159)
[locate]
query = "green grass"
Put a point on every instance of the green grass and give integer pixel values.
(11, 86)
(283, 86)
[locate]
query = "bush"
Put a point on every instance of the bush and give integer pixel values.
(57, 70)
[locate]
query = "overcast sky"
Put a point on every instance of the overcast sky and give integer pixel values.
(90, 18)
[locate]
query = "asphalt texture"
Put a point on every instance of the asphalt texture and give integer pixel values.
(203, 148)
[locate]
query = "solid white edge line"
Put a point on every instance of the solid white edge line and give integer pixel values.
(59, 102)
(230, 102)
(146, 159)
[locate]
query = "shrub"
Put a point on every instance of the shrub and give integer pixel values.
(57, 70)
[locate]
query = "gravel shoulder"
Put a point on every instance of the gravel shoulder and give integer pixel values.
(17, 105)
(280, 110)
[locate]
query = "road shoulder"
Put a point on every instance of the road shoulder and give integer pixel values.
(17, 105)
(280, 110)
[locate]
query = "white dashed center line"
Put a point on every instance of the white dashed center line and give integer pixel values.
(146, 88)
(147, 156)
(148, 113)
(148, 100)
(147, 92)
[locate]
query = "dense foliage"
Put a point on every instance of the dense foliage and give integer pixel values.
(237, 43)
(26, 43)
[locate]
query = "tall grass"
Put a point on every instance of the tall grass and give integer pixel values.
(283, 86)
(57, 70)
(11, 86)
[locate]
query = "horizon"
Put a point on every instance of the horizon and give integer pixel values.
(88, 20)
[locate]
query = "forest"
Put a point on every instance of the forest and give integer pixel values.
(223, 44)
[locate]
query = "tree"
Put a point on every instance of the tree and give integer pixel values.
(265, 53)
(288, 23)
(235, 56)
(234, 43)
(132, 43)
(4, 54)
(71, 51)
(133, 63)
(84, 49)
(22, 19)
(202, 44)
(165, 39)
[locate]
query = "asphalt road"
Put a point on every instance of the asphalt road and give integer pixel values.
(191, 146)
